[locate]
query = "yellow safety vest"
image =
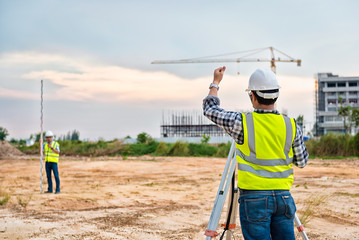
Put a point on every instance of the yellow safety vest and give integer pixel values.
(265, 158)
(51, 156)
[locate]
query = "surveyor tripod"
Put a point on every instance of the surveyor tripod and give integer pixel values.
(228, 184)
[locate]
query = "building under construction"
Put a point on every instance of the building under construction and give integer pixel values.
(185, 124)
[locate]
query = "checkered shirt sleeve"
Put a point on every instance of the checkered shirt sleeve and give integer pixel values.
(231, 122)
(300, 153)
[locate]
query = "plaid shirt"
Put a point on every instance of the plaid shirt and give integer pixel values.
(231, 122)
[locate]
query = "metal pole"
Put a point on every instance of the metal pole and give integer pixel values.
(41, 139)
(229, 169)
(300, 227)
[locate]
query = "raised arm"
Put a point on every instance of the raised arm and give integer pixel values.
(217, 78)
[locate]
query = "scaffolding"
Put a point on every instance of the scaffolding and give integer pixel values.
(177, 123)
(316, 109)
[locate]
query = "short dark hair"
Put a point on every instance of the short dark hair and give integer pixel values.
(265, 101)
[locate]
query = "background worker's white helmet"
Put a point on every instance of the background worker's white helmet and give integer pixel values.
(49, 134)
(262, 80)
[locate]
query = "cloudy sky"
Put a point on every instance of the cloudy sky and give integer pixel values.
(95, 58)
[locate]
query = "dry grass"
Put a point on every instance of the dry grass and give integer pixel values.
(311, 206)
(346, 194)
(4, 197)
(23, 201)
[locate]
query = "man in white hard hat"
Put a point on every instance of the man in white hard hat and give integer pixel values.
(51, 151)
(267, 145)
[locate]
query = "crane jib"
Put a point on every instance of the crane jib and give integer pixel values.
(211, 59)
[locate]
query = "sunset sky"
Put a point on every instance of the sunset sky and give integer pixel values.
(95, 59)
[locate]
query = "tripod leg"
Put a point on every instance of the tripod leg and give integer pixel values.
(232, 208)
(224, 186)
(300, 227)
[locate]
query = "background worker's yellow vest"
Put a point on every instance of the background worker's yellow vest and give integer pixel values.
(265, 158)
(51, 156)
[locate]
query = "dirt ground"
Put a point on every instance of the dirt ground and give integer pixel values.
(158, 198)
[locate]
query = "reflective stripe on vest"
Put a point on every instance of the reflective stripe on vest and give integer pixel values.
(266, 156)
(51, 156)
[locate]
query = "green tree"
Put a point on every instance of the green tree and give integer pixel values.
(3, 133)
(350, 116)
(68, 136)
(345, 112)
(143, 138)
(75, 136)
(355, 116)
(205, 139)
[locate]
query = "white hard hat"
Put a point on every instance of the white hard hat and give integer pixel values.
(263, 79)
(49, 134)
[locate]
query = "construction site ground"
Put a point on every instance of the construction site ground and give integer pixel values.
(158, 198)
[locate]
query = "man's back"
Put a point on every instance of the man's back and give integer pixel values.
(265, 157)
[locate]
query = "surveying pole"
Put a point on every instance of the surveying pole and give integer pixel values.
(41, 133)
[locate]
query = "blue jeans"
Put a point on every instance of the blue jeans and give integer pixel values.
(267, 214)
(52, 166)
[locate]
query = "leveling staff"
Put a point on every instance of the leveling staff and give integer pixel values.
(51, 152)
(267, 145)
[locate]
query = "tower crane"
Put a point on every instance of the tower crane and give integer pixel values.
(244, 58)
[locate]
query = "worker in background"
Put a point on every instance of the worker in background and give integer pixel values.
(51, 151)
(267, 145)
